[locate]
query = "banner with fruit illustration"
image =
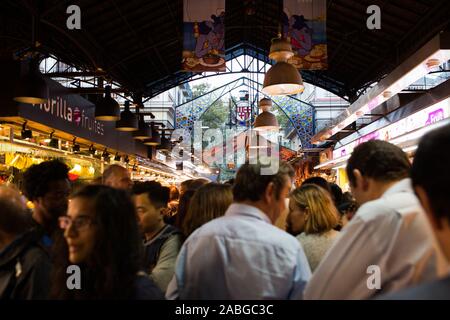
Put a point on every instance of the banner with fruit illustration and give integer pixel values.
(203, 35)
(304, 24)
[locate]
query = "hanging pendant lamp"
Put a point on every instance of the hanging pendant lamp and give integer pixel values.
(155, 140)
(266, 121)
(144, 131)
(32, 88)
(282, 78)
(128, 120)
(107, 109)
(165, 145)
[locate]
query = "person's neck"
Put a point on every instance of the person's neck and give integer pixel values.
(150, 235)
(379, 188)
(38, 216)
(260, 205)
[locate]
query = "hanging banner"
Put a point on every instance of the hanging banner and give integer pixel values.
(304, 24)
(203, 32)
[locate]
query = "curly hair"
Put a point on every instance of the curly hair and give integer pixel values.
(37, 178)
(111, 271)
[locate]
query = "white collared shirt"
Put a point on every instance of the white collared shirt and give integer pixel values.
(240, 256)
(391, 233)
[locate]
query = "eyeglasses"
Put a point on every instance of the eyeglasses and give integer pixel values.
(79, 223)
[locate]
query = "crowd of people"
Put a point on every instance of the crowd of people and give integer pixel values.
(387, 239)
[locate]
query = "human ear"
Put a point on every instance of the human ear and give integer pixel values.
(360, 181)
(268, 194)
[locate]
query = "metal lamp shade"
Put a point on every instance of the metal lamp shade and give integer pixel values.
(155, 140)
(107, 109)
(143, 132)
(282, 79)
(128, 121)
(165, 144)
(280, 50)
(31, 89)
(266, 121)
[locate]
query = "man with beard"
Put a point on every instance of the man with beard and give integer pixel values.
(47, 186)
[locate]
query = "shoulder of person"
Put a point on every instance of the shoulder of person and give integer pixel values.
(435, 290)
(386, 205)
(146, 289)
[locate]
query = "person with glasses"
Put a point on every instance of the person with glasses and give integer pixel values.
(101, 236)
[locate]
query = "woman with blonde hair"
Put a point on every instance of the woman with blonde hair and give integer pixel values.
(312, 217)
(209, 202)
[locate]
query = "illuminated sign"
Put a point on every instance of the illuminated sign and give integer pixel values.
(425, 117)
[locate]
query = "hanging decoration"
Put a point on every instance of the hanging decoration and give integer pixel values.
(203, 31)
(304, 24)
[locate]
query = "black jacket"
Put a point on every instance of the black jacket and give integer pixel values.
(24, 269)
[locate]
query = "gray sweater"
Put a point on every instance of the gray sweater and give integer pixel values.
(316, 246)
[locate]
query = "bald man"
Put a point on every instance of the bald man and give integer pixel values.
(118, 177)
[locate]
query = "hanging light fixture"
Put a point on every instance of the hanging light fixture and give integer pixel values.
(107, 109)
(282, 78)
(26, 134)
(266, 121)
(75, 146)
(128, 120)
(32, 88)
(144, 131)
(165, 145)
(155, 140)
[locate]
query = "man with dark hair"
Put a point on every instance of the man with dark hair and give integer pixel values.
(47, 186)
(318, 181)
(162, 241)
(389, 244)
(24, 263)
(432, 190)
(116, 176)
(242, 255)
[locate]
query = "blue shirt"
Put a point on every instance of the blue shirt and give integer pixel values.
(240, 256)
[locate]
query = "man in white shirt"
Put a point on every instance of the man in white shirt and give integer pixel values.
(242, 255)
(430, 176)
(389, 244)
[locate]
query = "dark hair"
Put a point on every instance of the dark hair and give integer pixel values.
(156, 193)
(336, 193)
(183, 207)
(36, 180)
(111, 271)
(13, 217)
(379, 160)
(230, 182)
(318, 181)
(431, 170)
(250, 184)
